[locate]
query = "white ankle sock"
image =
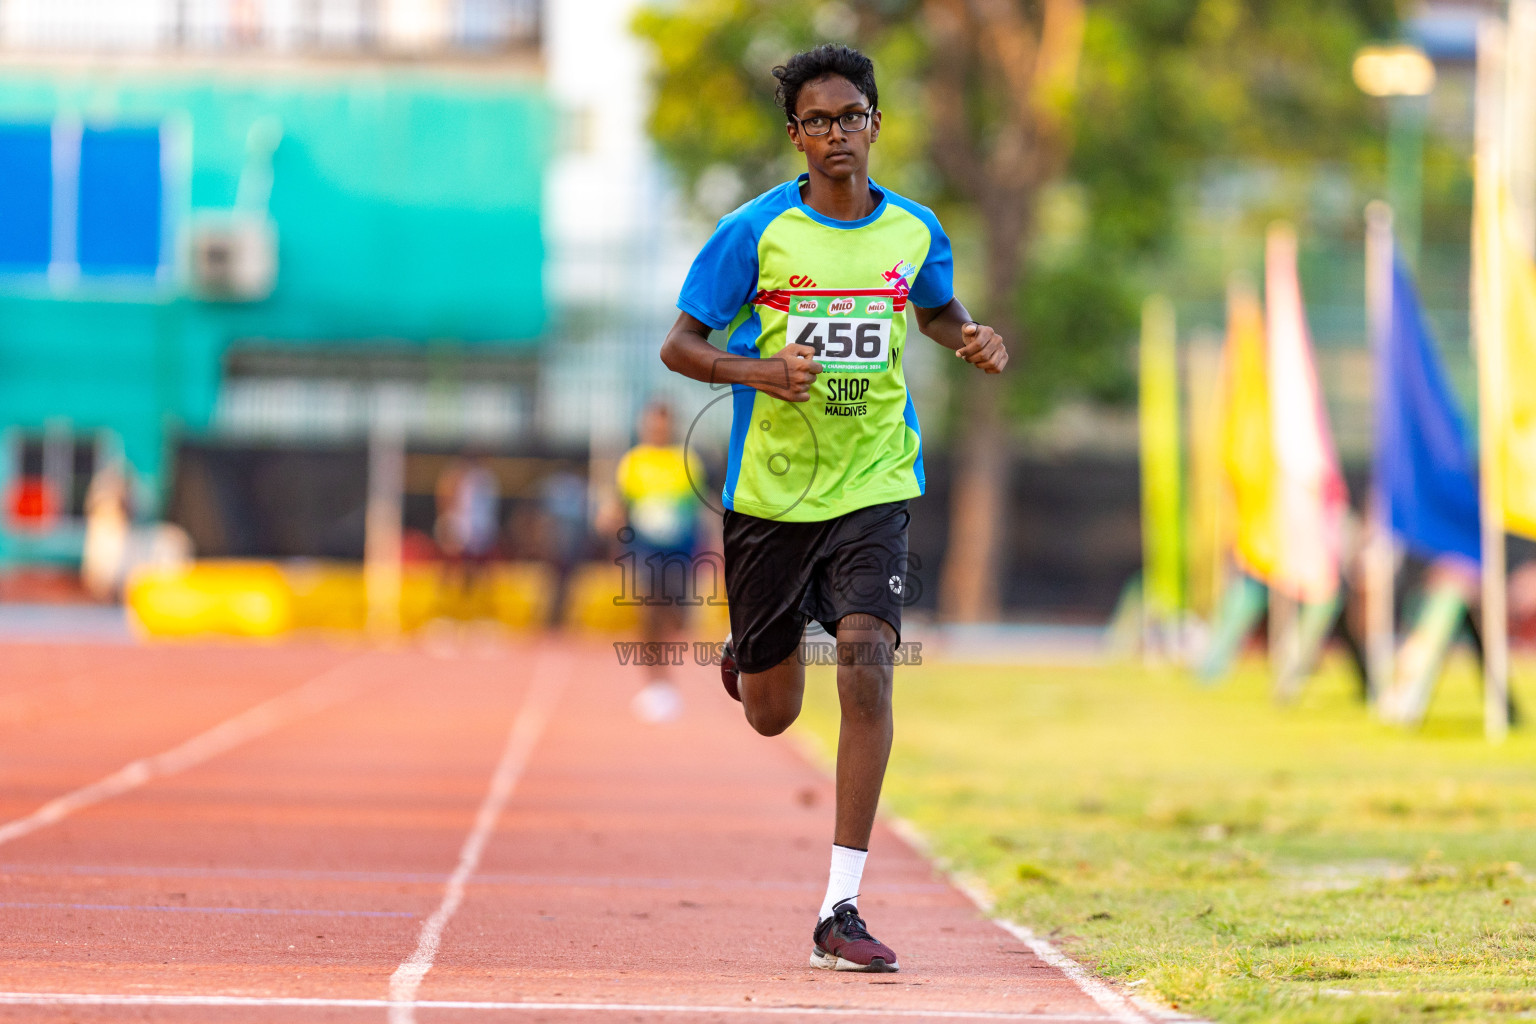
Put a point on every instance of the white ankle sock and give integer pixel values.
(843, 882)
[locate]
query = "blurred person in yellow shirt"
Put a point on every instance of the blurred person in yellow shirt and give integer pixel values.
(656, 483)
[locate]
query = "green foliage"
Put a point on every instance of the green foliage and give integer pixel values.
(714, 117)
(1173, 94)
(1168, 91)
(1079, 321)
(1248, 862)
(1169, 85)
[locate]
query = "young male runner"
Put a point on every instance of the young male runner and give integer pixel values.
(812, 278)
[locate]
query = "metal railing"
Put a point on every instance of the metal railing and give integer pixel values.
(406, 28)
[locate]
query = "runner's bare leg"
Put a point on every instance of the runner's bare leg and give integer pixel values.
(772, 699)
(865, 646)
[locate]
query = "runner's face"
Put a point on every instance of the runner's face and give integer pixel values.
(838, 154)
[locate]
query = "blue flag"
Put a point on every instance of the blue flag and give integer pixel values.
(1423, 463)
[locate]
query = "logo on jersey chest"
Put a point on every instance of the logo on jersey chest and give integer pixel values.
(847, 389)
(845, 396)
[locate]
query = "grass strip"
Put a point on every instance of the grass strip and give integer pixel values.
(1234, 858)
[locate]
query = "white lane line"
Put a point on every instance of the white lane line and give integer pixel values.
(89, 999)
(151, 909)
(527, 726)
(439, 877)
(330, 687)
(1117, 1006)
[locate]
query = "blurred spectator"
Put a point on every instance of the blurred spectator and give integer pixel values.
(468, 505)
(1522, 601)
(114, 547)
(656, 481)
(108, 521)
(562, 532)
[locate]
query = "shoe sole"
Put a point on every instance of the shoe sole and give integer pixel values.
(831, 962)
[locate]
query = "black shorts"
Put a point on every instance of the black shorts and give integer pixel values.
(779, 576)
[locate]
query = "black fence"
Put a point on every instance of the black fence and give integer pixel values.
(1071, 537)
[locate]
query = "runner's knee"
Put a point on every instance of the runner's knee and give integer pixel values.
(864, 691)
(772, 699)
(772, 717)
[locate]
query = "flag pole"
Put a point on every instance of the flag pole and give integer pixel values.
(1488, 337)
(1379, 556)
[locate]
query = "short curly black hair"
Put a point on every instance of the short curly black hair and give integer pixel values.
(826, 59)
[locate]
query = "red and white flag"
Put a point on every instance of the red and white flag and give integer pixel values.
(1309, 491)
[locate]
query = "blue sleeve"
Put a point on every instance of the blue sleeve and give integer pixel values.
(934, 285)
(723, 277)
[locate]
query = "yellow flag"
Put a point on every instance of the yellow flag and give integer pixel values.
(1517, 446)
(1248, 450)
(1161, 513)
(1206, 539)
(1506, 292)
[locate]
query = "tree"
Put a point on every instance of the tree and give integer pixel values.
(1127, 98)
(1000, 84)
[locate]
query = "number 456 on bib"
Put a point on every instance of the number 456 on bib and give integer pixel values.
(850, 333)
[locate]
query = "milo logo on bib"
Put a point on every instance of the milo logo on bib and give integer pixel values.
(850, 333)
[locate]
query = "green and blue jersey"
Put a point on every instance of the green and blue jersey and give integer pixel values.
(776, 271)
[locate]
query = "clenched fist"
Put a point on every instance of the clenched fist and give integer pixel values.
(983, 347)
(789, 373)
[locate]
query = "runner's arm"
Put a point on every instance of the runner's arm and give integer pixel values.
(788, 374)
(951, 326)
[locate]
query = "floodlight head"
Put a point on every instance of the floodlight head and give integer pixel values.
(1398, 70)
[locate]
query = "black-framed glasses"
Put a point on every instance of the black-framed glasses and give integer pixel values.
(853, 121)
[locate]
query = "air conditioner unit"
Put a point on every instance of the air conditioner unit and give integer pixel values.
(232, 257)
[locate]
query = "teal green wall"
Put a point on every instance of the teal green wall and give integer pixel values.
(407, 206)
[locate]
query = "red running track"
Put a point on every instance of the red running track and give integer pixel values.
(305, 833)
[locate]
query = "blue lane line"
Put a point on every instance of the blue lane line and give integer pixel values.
(276, 911)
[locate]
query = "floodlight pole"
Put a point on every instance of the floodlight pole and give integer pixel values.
(1379, 554)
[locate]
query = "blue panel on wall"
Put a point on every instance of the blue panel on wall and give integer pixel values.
(26, 198)
(120, 198)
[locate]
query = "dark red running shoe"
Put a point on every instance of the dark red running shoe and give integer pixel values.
(730, 675)
(842, 943)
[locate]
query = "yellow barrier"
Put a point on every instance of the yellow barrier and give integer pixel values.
(267, 599)
(328, 596)
(591, 605)
(515, 594)
(598, 603)
(249, 599)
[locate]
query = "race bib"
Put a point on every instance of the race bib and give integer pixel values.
(850, 333)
